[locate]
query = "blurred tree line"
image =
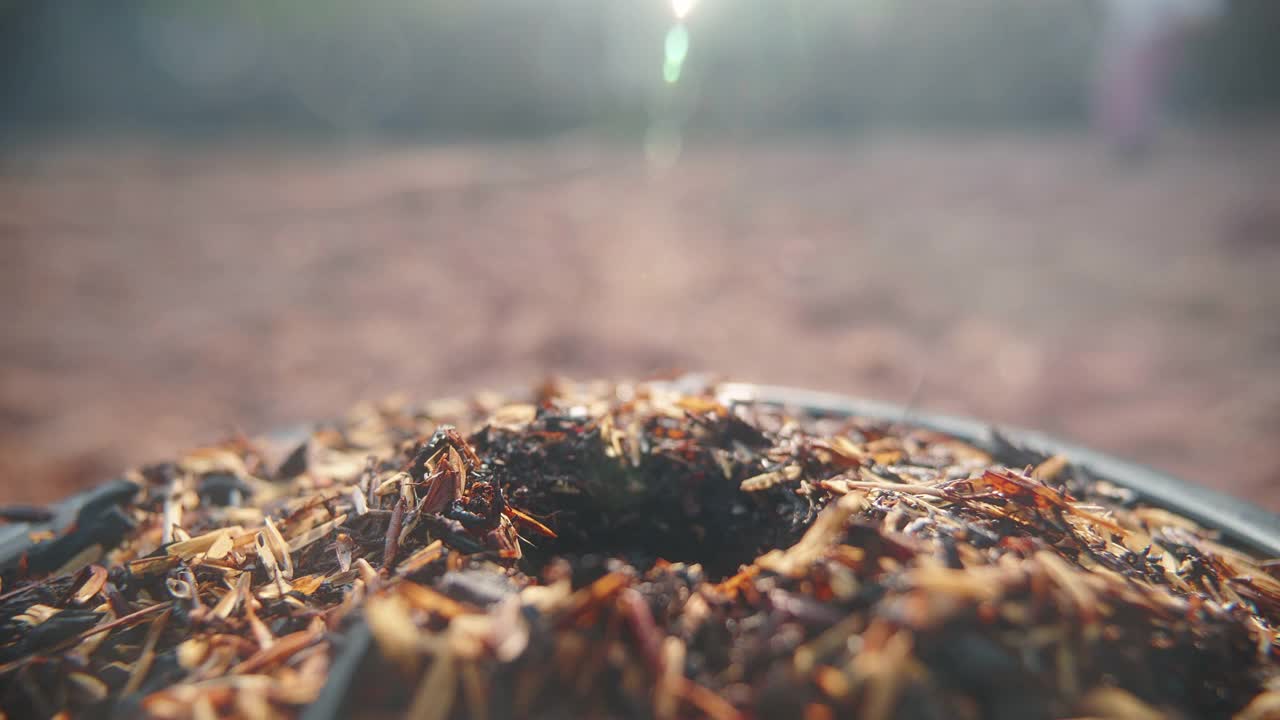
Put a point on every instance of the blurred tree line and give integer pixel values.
(518, 67)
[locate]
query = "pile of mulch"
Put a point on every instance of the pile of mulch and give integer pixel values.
(628, 550)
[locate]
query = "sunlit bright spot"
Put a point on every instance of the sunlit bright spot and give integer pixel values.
(682, 8)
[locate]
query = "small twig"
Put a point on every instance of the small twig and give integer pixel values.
(147, 656)
(282, 648)
(903, 487)
(392, 546)
(28, 587)
(707, 702)
(127, 619)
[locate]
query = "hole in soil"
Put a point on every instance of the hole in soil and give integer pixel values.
(676, 509)
(644, 533)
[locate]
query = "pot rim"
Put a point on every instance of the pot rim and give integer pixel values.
(1241, 522)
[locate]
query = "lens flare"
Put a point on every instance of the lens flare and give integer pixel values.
(677, 44)
(676, 49)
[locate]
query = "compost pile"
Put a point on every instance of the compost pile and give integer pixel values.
(631, 550)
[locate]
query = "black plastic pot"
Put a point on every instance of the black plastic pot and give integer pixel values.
(94, 516)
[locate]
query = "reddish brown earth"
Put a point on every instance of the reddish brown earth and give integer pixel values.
(156, 295)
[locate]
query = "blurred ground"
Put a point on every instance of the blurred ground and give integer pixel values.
(157, 296)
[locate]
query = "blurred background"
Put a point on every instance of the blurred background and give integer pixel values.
(247, 214)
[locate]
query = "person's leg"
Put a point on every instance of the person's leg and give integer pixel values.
(1133, 86)
(1120, 94)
